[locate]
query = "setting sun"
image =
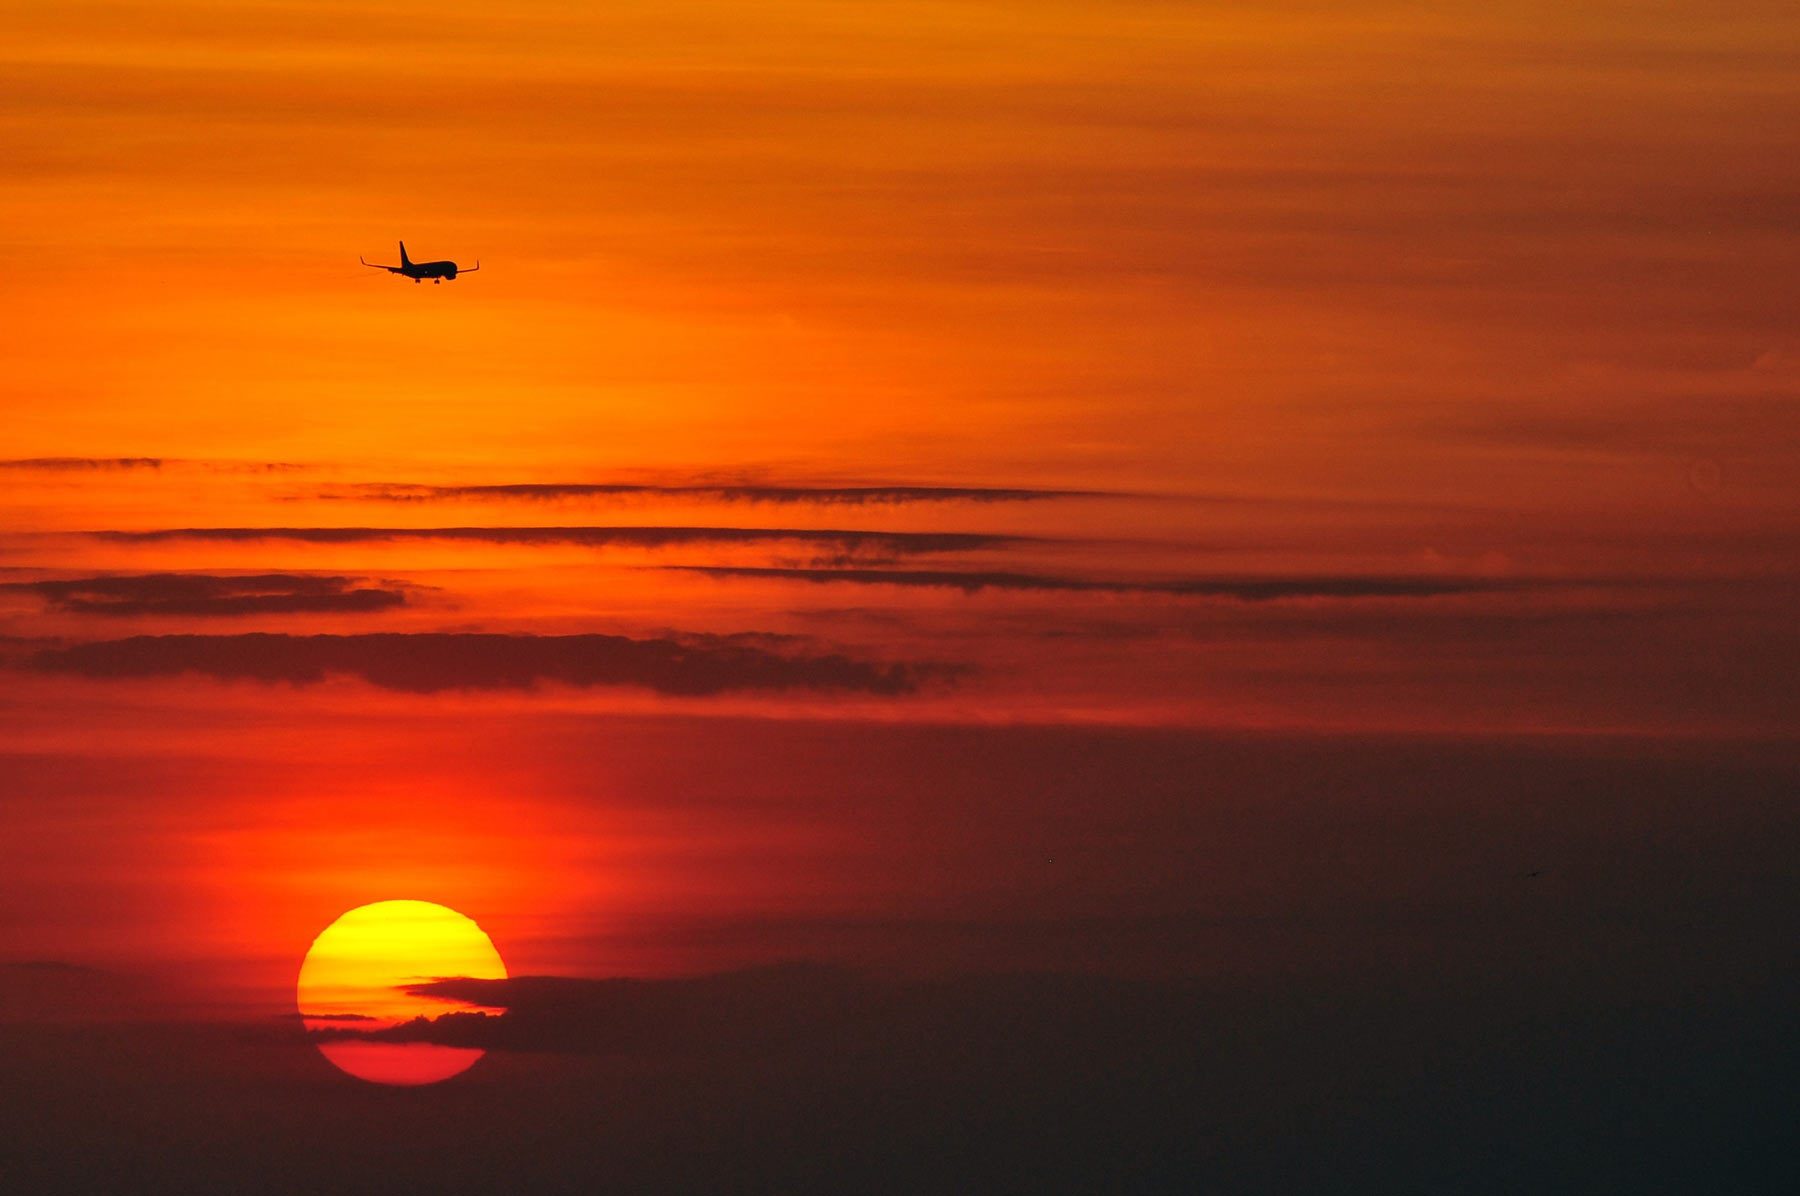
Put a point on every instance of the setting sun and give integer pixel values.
(358, 978)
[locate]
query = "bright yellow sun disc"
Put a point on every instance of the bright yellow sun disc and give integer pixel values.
(360, 976)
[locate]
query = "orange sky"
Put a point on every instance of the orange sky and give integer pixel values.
(1473, 251)
(1418, 368)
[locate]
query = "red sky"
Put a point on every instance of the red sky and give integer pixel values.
(941, 488)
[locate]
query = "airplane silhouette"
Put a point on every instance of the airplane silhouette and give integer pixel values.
(420, 271)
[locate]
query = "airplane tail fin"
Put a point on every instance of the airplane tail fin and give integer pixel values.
(404, 260)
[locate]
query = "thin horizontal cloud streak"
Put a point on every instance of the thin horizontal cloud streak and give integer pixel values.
(565, 1013)
(744, 492)
(211, 595)
(59, 464)
(770, 1007)
(79, 464)
(434, 662)
(1243, 589)
(844, 541)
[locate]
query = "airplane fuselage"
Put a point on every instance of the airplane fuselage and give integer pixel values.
(420, 271)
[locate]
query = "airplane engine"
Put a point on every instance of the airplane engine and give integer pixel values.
(450, 272)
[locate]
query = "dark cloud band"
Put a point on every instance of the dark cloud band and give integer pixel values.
(1243, 589)
(211, 595)
(727, 492)
(781, 1006)
(694, 666)
(838, 540)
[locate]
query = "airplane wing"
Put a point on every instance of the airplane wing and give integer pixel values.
(378, 265)
(470, 270)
